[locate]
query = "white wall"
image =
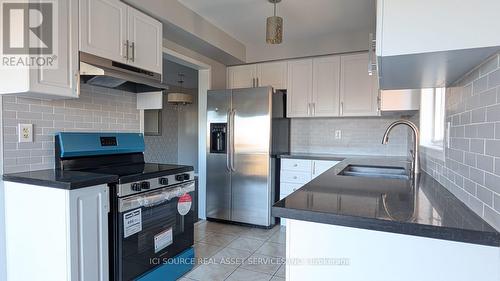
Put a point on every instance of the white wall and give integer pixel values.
(340, 43)
(184, 26)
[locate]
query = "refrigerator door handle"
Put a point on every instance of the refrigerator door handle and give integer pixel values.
(233, 113)
(228, 141)
(228, 144)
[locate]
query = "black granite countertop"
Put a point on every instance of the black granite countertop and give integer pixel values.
(60, 179)
(382, 204)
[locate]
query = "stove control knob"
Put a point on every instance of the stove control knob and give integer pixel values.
(163, 181)
(182, 177)
(145, 185)
(135, 186)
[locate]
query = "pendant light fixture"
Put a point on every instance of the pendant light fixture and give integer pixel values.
(179, 98)
(274, 27)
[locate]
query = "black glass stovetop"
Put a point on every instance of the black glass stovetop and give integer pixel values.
(141, 171)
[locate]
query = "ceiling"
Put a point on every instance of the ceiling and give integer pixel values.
(304, 21)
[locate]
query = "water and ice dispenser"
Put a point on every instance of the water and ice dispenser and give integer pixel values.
(218, 132)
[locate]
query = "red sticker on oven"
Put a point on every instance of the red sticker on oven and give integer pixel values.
(184, 204)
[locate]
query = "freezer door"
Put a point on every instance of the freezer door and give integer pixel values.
(251, 181)
(218, 174)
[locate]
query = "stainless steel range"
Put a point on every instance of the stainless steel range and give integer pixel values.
(152, 212)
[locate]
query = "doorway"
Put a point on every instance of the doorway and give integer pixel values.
(183, 127)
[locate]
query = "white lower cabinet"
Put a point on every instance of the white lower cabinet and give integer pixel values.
(295, 173)
(56, 234)
(362, 254)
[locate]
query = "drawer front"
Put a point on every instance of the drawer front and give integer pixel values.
(287, 188)
(296, 165)
(321, 166)
(295, 177)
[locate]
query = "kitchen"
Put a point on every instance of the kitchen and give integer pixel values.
(354, 144)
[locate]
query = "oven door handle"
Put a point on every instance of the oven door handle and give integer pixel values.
(151, 201)
(157, 198)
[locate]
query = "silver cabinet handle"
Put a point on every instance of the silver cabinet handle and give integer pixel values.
(314, 109)
(314, 167)
(126, 44)
(253, 82)
(133, 51)
(371, 51)
(341, 108)
(379, 103)
(257, 81)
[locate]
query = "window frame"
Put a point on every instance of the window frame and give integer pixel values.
(434, 107)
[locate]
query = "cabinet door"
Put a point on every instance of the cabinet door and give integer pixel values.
(241, 76)
(62, 81)
(358, 91)
(272, 74)
(145, 37)
(88, 217)
(299, 89)
(291, 164)
(326, 86)
(103, 28)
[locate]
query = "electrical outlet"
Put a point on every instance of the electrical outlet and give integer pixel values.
(25, 132)
(338, 134)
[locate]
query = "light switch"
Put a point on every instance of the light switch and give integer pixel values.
(25, 132)
(338, 134)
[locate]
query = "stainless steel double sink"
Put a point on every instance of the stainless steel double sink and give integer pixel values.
(375, 172)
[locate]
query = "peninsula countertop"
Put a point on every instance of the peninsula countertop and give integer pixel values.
(421, 208)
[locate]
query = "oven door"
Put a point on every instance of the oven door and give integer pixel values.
(153, 226)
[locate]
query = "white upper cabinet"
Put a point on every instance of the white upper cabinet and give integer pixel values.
(299, 89)
(327, 86)
(103, 29)
(325, 94)
(115, 31)
(272, 74)
(51, 83)
(446, 38)
(145, 37)
(313, 87)
(358, 90)
(242, 76)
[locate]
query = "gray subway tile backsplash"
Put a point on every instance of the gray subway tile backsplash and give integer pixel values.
(472, 173)
(88, 113)
(359, 136)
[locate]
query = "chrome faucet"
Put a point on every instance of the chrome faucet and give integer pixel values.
(415, 156)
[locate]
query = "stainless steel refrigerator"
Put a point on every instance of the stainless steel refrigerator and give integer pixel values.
(247, 129)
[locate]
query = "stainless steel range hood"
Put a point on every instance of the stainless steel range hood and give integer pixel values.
(106, 73)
